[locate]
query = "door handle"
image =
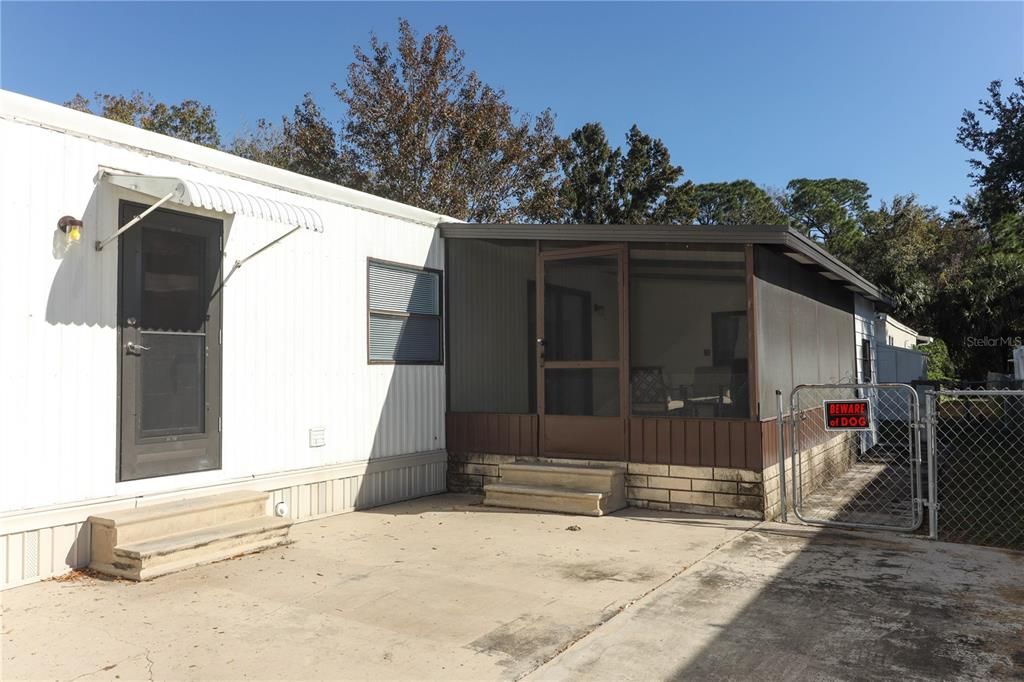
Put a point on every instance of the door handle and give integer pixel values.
(135, 348)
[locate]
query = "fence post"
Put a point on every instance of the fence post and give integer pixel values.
(931, 417)
(782, 455)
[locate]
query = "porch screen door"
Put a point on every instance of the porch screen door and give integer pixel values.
(581, 349)
(169, 322)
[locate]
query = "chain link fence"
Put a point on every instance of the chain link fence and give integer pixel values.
(844, 475)
(976, 447)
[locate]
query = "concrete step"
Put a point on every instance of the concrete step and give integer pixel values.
(149, 541)
(591, 479)
(170, 518)
(553, 499)
(152, 558)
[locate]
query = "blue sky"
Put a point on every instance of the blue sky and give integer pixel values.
(764, 91)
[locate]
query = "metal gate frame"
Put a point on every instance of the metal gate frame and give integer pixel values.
(915, 430)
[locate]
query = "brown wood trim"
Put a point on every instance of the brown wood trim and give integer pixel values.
(730, 443)
(575, 437)
(753, 378)
(492, 433)
(809, 436)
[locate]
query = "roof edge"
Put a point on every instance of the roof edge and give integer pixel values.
(767, 235)
(20, 108)
(738, 234)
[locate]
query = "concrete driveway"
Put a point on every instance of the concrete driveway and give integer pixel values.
(443, 588)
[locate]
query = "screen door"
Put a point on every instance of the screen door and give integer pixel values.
(169, 323)
(582, 342)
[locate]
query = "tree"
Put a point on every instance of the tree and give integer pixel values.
(829, 210)
(264, 144)
(586, 194)
(980, 303)
(902, 251)
(305, 143)
(646, 189)
(940, 366)
(603, 185)
(188, 120)
(983, 298)
(424, 130)
(312, 143)
(999, 175)
(736, 203)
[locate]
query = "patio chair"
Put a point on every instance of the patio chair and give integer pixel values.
(650, 392)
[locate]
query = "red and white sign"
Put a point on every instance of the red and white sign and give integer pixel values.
(847, 415)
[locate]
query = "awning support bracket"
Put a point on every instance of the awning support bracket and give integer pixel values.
(242, 261)
(131, 223)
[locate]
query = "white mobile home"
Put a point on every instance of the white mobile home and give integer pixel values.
(180, 323)
(142, 371)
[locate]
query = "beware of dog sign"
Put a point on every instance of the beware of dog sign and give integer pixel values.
(847, 415)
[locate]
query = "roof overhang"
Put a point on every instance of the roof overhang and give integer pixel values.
(791, 243)
(214, 198)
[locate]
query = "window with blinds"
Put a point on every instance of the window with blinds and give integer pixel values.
(404, 305)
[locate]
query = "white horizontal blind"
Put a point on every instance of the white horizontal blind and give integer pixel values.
(403, 290)
(404, 339)
(405, 314)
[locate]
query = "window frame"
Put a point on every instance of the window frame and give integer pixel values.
(370, 312)
(866, 375)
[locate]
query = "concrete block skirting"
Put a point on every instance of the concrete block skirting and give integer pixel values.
(702, 490)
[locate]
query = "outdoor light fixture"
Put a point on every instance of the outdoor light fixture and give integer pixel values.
(72, 229)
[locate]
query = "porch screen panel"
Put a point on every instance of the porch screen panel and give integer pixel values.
(688, 332)
(491, 313)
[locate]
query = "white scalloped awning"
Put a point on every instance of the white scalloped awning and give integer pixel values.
(214, 198)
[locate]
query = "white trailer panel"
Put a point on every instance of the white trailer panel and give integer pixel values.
(294, 332)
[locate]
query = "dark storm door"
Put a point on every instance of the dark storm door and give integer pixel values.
(169, 329)
(581, 346)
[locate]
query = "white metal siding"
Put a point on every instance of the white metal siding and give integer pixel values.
(37, 553)
(295, 344)
(864, 329)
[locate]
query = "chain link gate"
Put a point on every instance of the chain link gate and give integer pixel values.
(856, 456)
(976, 461)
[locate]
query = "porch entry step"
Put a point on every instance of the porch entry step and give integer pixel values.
(560, 500)
(169, 518)
(144, 543)
(590, 491)
(599, 479)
